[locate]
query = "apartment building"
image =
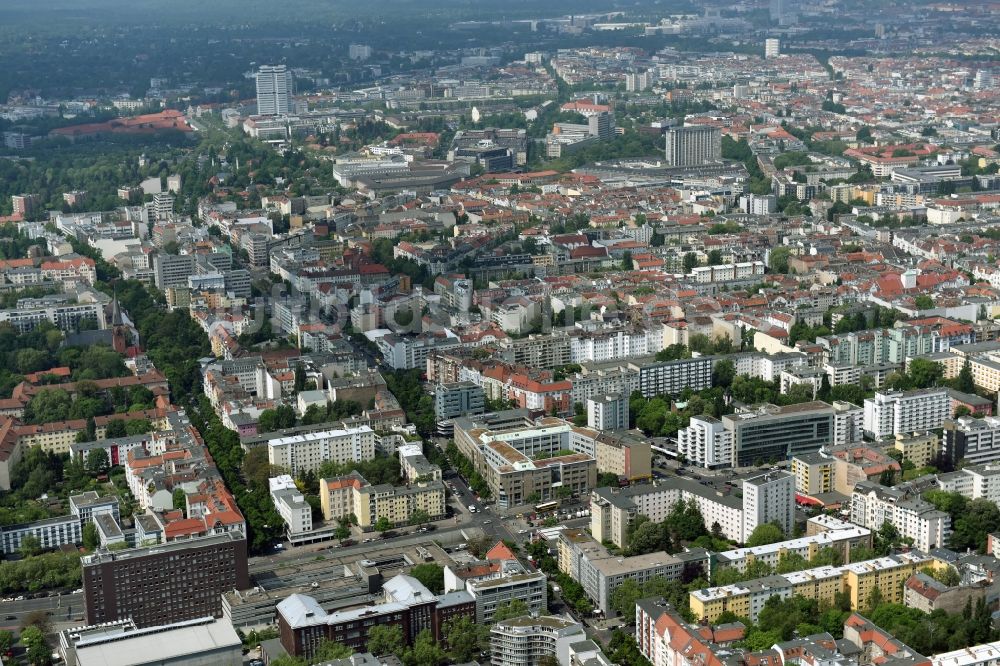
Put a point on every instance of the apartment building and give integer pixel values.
(914, 518)
(904, 412)
(536, 351)
(51, 534)
(171, 582)
(527, 459)
(974, 482)
(768, 498)
(920, 448)
(706, 442)
(291, 506)
(172, 270)
(857, 580)
(306, 452)
(56, 310)
(665, 639)
(977, 655)
(693, 145)
(526, 640)
(587, 561)
(403, 601)
(970, 439)
(827, 532)
(336, 495)
(608, 412)
(813, 473)
(496, 580)
(406, 353)
(274, 90)
(773, 433)
(458, 399)
(672, 377)
(765, 498)
(352, 495)
(397, 504)
(624, 455)
(603, 381)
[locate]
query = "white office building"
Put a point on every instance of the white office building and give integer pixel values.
(274, 90)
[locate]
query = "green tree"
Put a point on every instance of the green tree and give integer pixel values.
(425, 651)
(778, 259)
(97, 461)
(627, 260)
(923, 302)
(466, 639)
(512, 608)
(431, 575)
(36, 646)
(382, 524)
(91, 540)
(270, 420)
(964, 381)
(30, 546)
(385, 639)
(624, 596)
(764, 534)
(115, 428)
(179, 498)
(980, 518)
(6, 641)
(723, 373)
(923, 372)
(329, 650)
(300, 378)
(419, 517)
(690, 262)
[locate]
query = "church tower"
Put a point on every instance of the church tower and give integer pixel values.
(119, 332)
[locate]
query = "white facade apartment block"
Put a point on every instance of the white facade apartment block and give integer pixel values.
(310, 450)
(980, 482)
(608, 412)
(914, 519)
(769, 498)
(905, 412)
(586, 385)
(848, 422)
(525, 641)
(977, 655)
(657, 505)
(971, 439)
(291, 505)
(705, 442)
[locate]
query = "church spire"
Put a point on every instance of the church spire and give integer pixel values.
(116, 311)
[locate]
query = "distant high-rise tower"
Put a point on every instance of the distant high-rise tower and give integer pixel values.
(772, 48)
(359, 52)
(693, 145)
(274, 90)
(782, 12)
